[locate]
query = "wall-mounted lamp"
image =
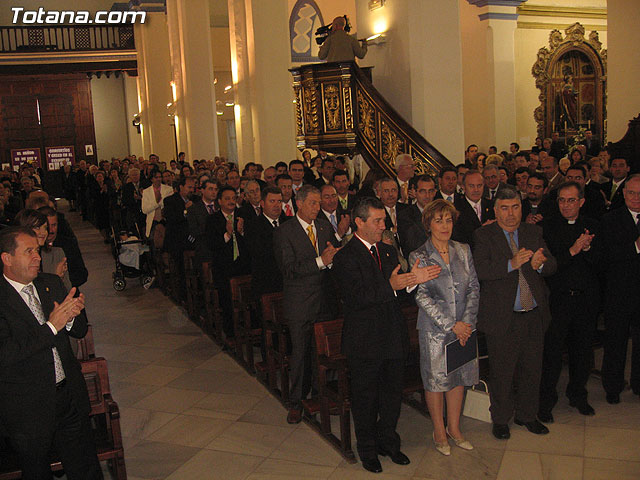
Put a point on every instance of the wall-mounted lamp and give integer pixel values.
(227, 88)
(375, 4)
(377, 39)
(136, 122)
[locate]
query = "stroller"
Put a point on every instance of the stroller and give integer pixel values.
(132, 256)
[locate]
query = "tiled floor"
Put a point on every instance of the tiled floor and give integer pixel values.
(189, 412)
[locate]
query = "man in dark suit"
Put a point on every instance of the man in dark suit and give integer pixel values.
(304, 249)
(132, 201)
(285, 184)
(447, 183)
(326, 172)
(44, 403)
(594, 203)
(510, 258)
(474, 209)
(346, 200)
(534, 210)
(177, 238)
(574, 300)
(491, 176)
(613, 190)
(330, 211)
(265, 275)
(621, 240)
(197, 216)
(593, 145)
(374, 335)
(225, 236)
(411, 232)
(251, 208)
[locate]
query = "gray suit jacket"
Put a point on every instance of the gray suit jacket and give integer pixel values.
(498, 286)
(305, 286)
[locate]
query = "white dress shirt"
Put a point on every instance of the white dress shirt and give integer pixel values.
(304, 224)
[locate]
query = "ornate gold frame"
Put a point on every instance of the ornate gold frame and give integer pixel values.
(574, 39)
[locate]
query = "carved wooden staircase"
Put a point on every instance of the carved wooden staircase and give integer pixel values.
(339, 110)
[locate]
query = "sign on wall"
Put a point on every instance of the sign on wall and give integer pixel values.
(25, 155)
(57, 156)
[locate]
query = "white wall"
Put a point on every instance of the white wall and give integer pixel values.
(109, 117)
(130, 85)
(624, 66)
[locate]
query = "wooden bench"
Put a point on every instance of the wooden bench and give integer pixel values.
(105, 420)
(86, 349)
(212, 324)
(244, 310)
(333, 395)
(277, 347)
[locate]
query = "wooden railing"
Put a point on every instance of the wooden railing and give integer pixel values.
(339, 110)
(66, 38)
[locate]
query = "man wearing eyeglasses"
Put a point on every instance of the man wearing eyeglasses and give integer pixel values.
(574, 241)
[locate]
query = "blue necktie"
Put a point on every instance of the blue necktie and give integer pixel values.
(332, 219)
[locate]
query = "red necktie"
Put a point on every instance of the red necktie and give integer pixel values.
(287, 210)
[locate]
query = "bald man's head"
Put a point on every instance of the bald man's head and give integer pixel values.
(338, 23)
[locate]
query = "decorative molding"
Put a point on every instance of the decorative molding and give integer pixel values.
(571, 12)
(524, 25)
(496, 3)
(574, 40)
(498, 16)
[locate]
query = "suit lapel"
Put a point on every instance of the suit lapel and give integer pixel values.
(501, 239)
(45, 296)
(302, 237)
(14, 301)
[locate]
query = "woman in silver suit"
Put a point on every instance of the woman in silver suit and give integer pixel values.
(448, 304)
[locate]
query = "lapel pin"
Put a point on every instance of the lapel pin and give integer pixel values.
(46, 289)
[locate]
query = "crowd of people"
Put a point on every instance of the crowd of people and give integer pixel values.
(529, 248)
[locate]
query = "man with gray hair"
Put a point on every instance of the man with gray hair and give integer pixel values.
(405, 168)
(304, 249)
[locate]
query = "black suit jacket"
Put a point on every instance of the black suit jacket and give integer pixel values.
(128, 200)
(468, 220)
(374, 326)
(621, 260)
(411, 233)
(339, 215)
(306, 288)
(439, 196)
(578, 272)
(224, 265)
(247, 212)
(618, 197)
(176, 238)
(351, 202)
(399, 207)
(27, 374)
(498, 286)
(265, 275)
(197, 216)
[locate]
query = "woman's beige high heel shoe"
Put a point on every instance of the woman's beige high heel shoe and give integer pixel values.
(460, 442)
(443, 448)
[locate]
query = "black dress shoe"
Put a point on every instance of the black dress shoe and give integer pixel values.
(613, 398)
(396, 457)
(371, 464)
(294, 416)
(545, 417)
(534, 426)
(500, 431)
(583, 407)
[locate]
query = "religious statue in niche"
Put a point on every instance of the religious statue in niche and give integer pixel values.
(571, 76)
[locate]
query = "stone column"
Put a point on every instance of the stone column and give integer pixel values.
(501, 21)
(154, 91)
(192, 75)
(260, 59)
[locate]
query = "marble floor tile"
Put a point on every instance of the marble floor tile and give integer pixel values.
(241, 384)
(362, 474)
(127, 393)
(169, 341)
(520, 466)
(136, 354)
(138, 423)
(190, 431)
(557, 467)
(268, 411)
(604, 469)
(122, 369)
(614, 443)
(203, 380)
(219, 405)
(172, 400)
(562, 439)
(221, 361)
(156, 460)
(250, 439)
(273, 469)
(155, 375)
(304, 445)
(479, 463)
(214, 465)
